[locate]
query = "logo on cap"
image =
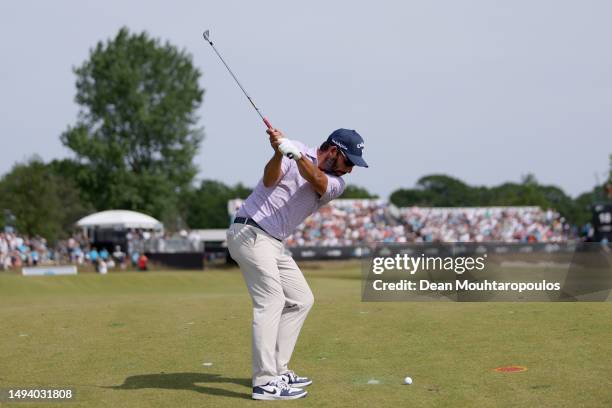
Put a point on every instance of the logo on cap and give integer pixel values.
(340, 144)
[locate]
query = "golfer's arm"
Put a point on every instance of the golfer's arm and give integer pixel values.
(272, 171)
(313, 175)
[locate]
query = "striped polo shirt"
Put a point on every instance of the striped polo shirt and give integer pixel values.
(281, 208)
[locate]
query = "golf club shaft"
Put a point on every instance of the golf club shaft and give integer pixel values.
(265, 120)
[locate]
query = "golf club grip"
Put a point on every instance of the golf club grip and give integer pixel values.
(267, 122)
(269, 125)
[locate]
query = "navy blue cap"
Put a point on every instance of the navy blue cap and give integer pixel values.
(350, 143)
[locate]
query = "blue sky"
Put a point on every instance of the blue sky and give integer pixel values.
(486, 91)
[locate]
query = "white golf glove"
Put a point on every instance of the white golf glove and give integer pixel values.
(290, 150)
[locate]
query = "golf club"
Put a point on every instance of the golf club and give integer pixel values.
(206, 36)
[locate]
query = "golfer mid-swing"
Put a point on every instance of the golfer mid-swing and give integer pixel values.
(291, 189)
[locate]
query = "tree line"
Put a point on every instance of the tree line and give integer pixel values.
(440, 190)
(133, 147)
(46, 199)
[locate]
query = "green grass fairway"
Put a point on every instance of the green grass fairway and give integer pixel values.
(140, 340)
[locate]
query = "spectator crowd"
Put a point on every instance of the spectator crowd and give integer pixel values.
(493, 224)
(348, 222)
(339, 223)
(18, 251)
(357, 222)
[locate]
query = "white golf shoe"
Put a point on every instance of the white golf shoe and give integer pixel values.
(277, 389)
(295, 380)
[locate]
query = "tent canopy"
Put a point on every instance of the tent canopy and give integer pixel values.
(120, 219)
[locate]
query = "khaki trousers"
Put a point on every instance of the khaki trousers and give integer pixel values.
(280, 294)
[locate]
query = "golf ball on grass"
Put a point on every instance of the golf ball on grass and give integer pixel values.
(407, 380)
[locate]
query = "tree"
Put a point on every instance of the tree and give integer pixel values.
(442, 190)
(78, 174)
(583, 205)
(446, 191)
(436, 190)
(136, 135)
(206, 206)
(43, 202)
(353, 191)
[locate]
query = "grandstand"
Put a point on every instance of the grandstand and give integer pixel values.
(366, 221)
(341, 223)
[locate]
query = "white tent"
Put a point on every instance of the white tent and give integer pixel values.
(120, 219)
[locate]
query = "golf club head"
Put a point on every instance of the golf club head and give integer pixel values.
(206, 35)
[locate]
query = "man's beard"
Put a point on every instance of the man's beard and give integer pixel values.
(330, 165)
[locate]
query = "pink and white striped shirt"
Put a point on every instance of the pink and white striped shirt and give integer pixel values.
(281, 208)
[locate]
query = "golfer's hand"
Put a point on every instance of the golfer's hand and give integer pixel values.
(276, 138)
(290, 150)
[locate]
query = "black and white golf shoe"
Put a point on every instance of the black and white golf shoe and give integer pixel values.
(277, 389)
(295, 380)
